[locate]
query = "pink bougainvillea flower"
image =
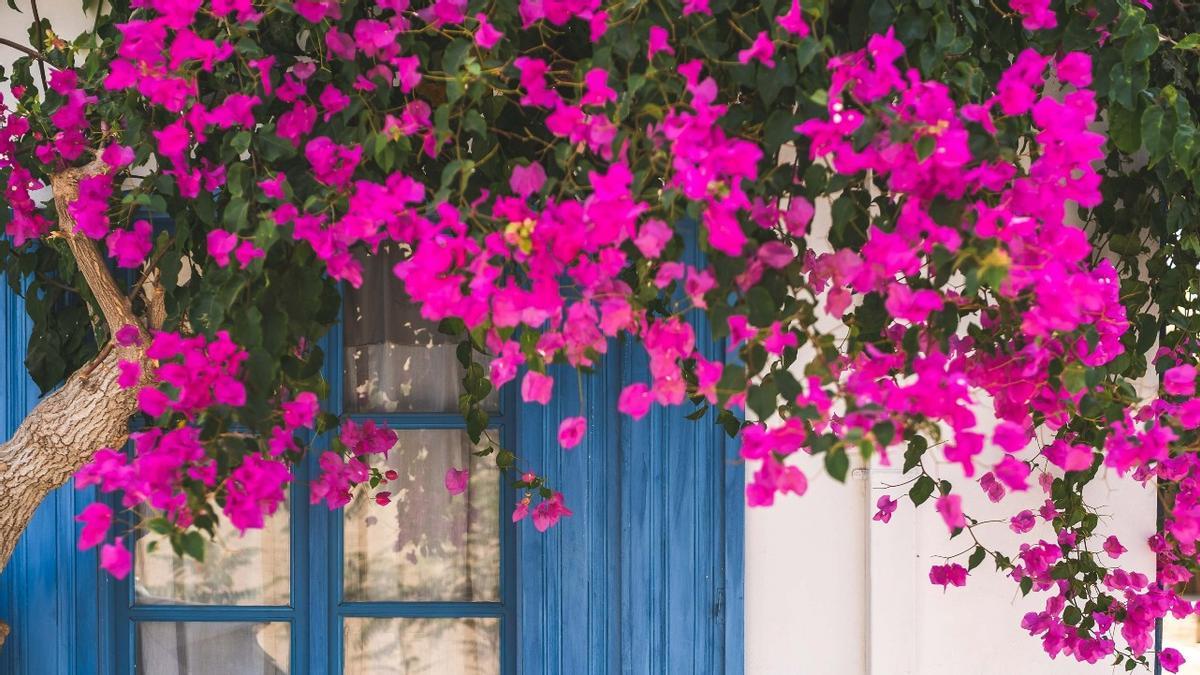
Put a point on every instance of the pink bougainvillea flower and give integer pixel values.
(966, 446)
(129, 335)
(1011, 437)
(1075, 68)
(571, 431)
(527, 180)
(486, 35)
(1022, 522)
(96, 518)
(130, 247)
(793, 22)
(1180, 380)
(1113, 547)
(763, 50)
(1069, 456)
(383, 498)
(117, 156)
(273, 187)
(115, 559)
(1170, 659)
(130, 374)
(457, 480)
(521, 510)
(659, 41)
(1035, 14)
(548, 513)
(635, 400)
(798, 215)
(597, 26)
(220, 245)
(886, 507)
(246, 253)
(536, 387)
(952, 574)
(596, 90)
(1013, 473)
(949, 507)
(301, 411)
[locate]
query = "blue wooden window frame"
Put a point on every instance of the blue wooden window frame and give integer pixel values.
(316, 608)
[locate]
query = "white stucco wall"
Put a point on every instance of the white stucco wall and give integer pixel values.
(831, 592)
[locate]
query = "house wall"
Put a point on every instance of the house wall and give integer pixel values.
(831, 592)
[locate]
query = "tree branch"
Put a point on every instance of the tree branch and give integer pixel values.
(90, 410)
(22, 48)
(114, 305)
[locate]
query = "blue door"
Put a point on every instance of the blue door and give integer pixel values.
(645, 577)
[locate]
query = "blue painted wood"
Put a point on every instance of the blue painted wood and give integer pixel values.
(48, 591)
(647, 576)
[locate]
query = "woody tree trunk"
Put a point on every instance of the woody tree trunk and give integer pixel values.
(89, 411)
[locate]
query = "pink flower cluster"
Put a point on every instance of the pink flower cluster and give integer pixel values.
(198, 373)
(341, 471)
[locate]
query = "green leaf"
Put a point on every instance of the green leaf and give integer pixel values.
(837, 463)
(1141, 45)
(1124, 128)
(193, 545)
(1189, 42)
(912, 455)
(921, 490)
(455, 55)
(1153, 138)
(976, 558)
(884, 432)
(925, 146)
(1074, 378)
(763, 399)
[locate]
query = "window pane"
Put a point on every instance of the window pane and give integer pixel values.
(412, 646)
(426, 544)
(213, 648)
(396, 361)
(1184, 635)
(237, 570)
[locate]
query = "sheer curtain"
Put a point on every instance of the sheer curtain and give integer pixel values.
(213, 648)
(395, 360)
(427, 544)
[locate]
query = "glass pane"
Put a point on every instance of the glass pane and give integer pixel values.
(396, 361)
(237, 570)
(1184, 635)
(412, 646)
(426, 544)
(213, 648)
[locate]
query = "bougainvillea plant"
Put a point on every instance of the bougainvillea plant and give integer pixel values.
(1011, 197)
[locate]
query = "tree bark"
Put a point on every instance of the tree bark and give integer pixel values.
(89, 411)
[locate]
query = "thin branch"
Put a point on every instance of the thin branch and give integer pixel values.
(22, 48)
(37, 20)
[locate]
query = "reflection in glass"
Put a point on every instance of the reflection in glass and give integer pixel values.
(1184, 635)
(395, 360)
(422, 646)
(213, 648)
(237, 570)
(426, 544)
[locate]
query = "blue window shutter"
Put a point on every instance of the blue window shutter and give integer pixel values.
(646, 577)
(49, 591)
